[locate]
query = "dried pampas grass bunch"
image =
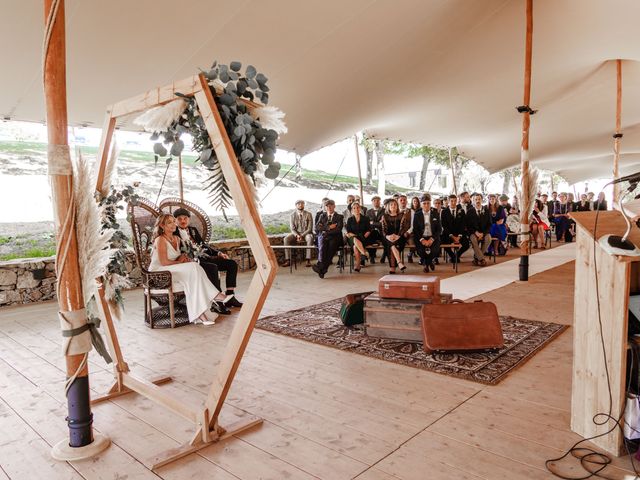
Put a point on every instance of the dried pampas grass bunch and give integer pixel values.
(94, 253)
(527, 196)
(159, 119)
(271, 118)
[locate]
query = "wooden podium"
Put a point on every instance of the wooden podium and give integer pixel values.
(618, 277)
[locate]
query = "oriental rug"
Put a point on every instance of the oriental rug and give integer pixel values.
(321, 324)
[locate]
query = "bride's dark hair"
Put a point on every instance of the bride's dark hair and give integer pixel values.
(160, 221)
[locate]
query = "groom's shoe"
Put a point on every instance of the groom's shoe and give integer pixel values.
(220, 308)
(233, 302)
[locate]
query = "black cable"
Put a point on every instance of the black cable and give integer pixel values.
(591, 456)
(336, 175)
(162, 184)
(277, 183)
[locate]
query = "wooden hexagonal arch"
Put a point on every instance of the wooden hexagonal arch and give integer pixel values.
(205, 417)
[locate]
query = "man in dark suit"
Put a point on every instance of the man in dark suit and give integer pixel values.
(454, 229)
(375, 214)
(329, 230)
(212, 260)
(478, 221)
(426, 233)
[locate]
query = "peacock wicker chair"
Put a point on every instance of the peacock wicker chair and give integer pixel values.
(171, 310)
(199, 219)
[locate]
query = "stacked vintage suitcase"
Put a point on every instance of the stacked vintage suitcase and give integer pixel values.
(412, 308)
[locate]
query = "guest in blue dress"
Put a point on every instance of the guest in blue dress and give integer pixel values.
(498, 226)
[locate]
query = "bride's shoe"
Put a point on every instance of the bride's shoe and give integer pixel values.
(205, 319)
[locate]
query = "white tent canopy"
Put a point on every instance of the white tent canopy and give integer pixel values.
(446, 72)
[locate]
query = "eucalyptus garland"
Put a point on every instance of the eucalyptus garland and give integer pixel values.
(116, 269)
(234, 94)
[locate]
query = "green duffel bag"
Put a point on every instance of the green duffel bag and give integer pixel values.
(352, 309)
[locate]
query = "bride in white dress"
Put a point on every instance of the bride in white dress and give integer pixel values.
(185, 273)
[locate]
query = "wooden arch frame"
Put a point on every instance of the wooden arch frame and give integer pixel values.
(204, 416)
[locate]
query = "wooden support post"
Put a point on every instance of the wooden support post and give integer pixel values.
(453, 171)
(524, 150)
(355, 139)
(618, 134)
(181, 186)
(82, 442)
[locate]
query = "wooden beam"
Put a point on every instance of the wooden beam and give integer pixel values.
(105, 146)
(355, 139)
(266, 264)
(618, 134)
(524, 150)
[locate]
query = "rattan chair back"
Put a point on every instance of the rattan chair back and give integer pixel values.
(199, 219)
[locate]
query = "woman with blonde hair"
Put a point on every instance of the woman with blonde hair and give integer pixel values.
(186, 275)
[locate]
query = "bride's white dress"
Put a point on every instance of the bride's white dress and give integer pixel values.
(188, 277)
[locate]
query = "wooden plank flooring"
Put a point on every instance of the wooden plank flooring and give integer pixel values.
(327, 413)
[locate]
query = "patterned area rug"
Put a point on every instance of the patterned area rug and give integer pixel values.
(321, 324)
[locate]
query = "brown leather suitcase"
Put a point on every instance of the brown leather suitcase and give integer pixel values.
(459, 326)
(410, 287)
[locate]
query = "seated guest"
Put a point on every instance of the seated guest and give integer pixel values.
(465, 201)
(347, 211)
(375, 219)
(329, 228)
(363, 209)
(394, 226)
(538, 224)
(186, 274)
(212, 260)
(600, 203)
(498, 228)
(561, 212)
(583, 205)
(414, 207)
(515, 204)
(358, 234)
(591, 200)
(301, 225)
(454, 229)
(426, 233)
(320, 212)
(478, 228)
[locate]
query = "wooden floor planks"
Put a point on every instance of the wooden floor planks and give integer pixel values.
(328, 414)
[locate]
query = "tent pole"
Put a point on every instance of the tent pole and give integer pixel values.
(453, 171)
(618, 134)
(81, 442)
(355, 139)
(180, 178)
(524, 151)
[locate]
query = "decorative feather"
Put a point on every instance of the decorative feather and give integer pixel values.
(93, 243)
(159, 119)
(270, 117)
(109, 168)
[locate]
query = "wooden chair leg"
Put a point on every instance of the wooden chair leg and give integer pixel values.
(147, 307)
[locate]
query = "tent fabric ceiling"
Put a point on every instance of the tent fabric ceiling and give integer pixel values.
(447, 72)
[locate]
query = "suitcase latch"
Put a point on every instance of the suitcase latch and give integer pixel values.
(425, 287)
(386, 286)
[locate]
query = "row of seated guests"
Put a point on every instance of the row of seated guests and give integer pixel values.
(560, 206)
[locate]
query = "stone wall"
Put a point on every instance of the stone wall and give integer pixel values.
(34, 280)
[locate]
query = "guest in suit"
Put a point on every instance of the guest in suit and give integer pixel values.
(454, 229)
(427, 229)
(600, 203)
(347, 211)
(561, 212)
(358, 234)
(329, 228)
(394, 226)
(319, 212)
(478, 227)
(301, 225)
(413, 208)
(211, 260)
(465, 201)
(375, 214)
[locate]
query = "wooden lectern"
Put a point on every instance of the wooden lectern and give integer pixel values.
(618, 277)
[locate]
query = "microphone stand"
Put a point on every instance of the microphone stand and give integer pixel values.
(615, 244)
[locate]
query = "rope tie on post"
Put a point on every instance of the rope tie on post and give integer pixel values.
(617, 135)
(526, 109)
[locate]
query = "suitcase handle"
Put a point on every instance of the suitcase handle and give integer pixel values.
(456, 300)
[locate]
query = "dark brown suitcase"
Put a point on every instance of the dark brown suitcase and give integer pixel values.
(410, 287)
(459, 326)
